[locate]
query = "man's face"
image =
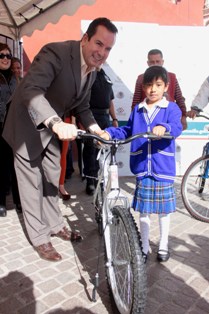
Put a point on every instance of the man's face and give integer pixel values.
(97, 49)
(155, 60)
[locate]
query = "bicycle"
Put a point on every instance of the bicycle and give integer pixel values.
(125, 267)
(194, 190)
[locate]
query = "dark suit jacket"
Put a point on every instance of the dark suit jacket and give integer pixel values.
(50, 87)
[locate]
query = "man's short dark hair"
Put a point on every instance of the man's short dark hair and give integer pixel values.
(155, 52)
(153, 73)
(100, 21)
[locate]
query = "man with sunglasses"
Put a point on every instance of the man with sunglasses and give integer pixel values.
(58, 84)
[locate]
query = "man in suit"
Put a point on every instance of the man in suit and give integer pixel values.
(58, 83)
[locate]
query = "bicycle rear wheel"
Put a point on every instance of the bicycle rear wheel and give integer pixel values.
(125, 268)
(195, 189)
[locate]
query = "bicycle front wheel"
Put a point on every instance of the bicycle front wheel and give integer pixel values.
(125, 266)
(99, 200)
(195, 189)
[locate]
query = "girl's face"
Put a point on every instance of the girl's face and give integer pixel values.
(5, 59)
(16, 68)
(155, 90)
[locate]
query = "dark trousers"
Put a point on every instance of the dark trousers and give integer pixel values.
(69, 168)
(90, 163)
(7, 173)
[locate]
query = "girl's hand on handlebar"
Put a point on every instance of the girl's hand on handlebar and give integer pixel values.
(159, 130)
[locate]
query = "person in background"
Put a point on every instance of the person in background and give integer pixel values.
(63, 162)
(153, 161)
(8, 84)
(69, 167)
(102, 107)
(174, 93)
(57, 84)
(16, 67)
(201, 100)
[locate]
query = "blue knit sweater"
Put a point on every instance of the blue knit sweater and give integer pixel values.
(155, 158)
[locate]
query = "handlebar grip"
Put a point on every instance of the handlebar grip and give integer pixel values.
(195, 108)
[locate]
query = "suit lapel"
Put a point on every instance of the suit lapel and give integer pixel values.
(76, 64)
(76, 67)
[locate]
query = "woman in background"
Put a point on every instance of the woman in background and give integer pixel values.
(8, 83)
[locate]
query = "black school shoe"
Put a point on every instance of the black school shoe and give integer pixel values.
(163, 257)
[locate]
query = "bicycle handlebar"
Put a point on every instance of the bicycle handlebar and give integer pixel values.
(200, 113)
(149, 135)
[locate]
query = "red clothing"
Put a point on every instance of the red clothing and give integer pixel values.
(63, 161)
(173, 94)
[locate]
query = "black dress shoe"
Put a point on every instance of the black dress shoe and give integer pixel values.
(65, 197)
(163, 257)
(90, 187)
(18, 208)
(3, 211)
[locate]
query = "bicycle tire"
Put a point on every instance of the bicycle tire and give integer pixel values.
(196, 202)
(125, 268)
(98, 207)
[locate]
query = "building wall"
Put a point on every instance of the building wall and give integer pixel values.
(162, 12)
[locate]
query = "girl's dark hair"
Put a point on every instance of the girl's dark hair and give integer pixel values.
(153, 73)
(100, 21)
(14, 59)
(5, 46)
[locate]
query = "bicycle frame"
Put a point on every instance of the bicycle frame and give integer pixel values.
(109, 179)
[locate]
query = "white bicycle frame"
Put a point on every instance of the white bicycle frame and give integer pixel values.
(113, 196)
(108, 174)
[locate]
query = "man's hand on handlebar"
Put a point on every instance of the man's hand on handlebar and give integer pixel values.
(65, 131)
(192, 114)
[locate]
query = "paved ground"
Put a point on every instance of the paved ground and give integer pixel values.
(31, 285)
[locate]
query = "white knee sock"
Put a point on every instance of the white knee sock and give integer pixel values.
(164, 224)
(144, 230)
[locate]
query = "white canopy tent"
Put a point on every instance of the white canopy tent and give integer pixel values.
(22, 17)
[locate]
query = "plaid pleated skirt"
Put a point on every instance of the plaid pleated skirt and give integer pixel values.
(154, 197)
